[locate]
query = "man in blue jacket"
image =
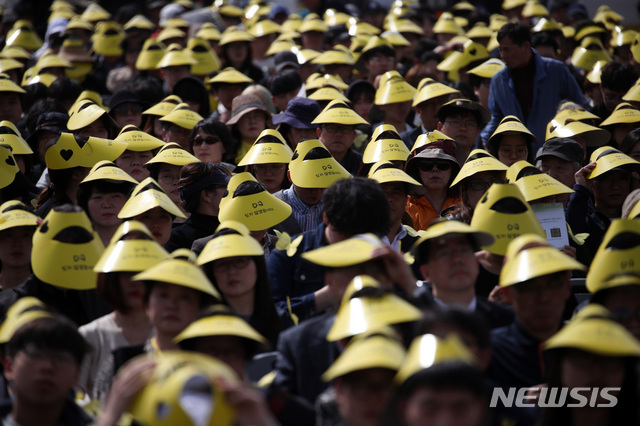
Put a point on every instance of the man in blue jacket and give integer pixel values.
(530, 87)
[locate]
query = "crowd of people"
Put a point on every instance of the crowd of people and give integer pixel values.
(348, 214)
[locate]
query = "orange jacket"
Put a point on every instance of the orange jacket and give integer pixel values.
(422, 212)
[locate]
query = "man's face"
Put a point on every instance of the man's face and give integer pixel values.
(462, 128)
(309, 196)
(611, 188)
(514, 56)
(363, 395)
(559, 169)
(42, 376)
(451, 265)
(378, 64)
(453, 407)
(539, 302)
(177, 134)
(428, 112)
(611, 98)
(338, 138)
(397, 196)
(226, 92)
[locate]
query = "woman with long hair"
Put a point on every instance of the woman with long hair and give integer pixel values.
(234, 262)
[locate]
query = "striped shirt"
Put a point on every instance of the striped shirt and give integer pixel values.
(308, 217)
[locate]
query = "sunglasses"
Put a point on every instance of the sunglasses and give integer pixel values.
(427, 166)
(209, 140)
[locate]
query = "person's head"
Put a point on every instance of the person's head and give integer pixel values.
(202, 186)
(11, 104)
(249, 117)
(471, 327)
(378, 60)
(16, 234)
(295, 122)
(474, 186)
(236, 54)
(225, 93)
(222, 334)
(337, 129)
(449, 389)
(511, 142)
(610, 189)
(49, 350)
(361, 93)
(536, 293)
(120, 291)
(435, 166)
(604, 356)
(284, 86)
(192, 91)
(345, 203)
(362, 377)
(173, 132)
(125, 107)
(103, 200)
(616, 79)
(560, 158)
(133, 163)
(445, 255)
(211, 141)
(623, 302)
(631, 144)
(461, 120)
(545, 44)
(172, 307)
(515, 44)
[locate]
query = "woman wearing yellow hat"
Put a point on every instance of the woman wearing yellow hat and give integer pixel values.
(268, 161)
(102, 194)
(511, 141)
(235, 51)
(591, 355)
(16, 232)
(132, 250)
(234, 262)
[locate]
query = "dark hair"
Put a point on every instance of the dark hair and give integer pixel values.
(451, 375)
(382, 50)
(519, 33)
(65, 89)
(544, 39)
(191, 88)
(264, 317)
(618, 76)
(215, 127)
(468, 321)
(56, 332)
(246, 64)
(40, 108)
(148, 88)
(629, 141)
(58, 178)
(284, 82)
(494, 146)
(86, 190)
(466, 89)
(35, 93)
(357, 206)
(625, 412)
(192, 174)
(251, 347)
(204, 299)
(109, 290)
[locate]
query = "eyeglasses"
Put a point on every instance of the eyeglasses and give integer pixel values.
(381, 58)
(482, 186)
(269, 168)
(209, 140)
(447, 254)
(625, 316)
(168, 179)
(508, 152)
(335, 128)
(427, 166)
(123, 109)
(470, 125)
(57, 358)
(235, 263)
